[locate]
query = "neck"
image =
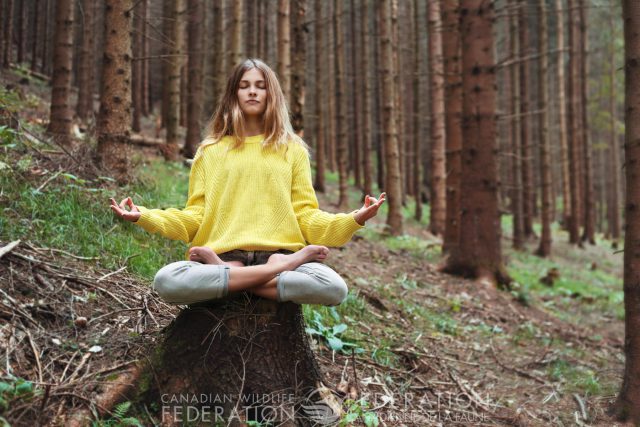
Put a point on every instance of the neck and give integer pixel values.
(253, 126)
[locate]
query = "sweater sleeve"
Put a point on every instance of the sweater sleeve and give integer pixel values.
(318, 227)
(178, 224)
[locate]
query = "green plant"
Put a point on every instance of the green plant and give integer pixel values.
(357, 409)
(330, 334)
(119, 418)
(14, 389)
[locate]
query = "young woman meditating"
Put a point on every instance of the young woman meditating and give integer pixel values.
(252, 215)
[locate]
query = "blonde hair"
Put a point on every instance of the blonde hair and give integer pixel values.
(228, 119)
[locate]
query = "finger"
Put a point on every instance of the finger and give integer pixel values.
(122, 204)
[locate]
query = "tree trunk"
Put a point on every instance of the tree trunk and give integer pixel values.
(146, 102)
(136, 71)
(574, 126)
(235, 52)
(322, 119)
(174, 63)
(397, 104)
(114, 118)
(562, 113)
(453, 121)
(478, 253)
(628, 403)
(516, 190)
(7, 53)
(35, 36)
(22, 30)
(545, 156)
(86, 84)
(218, 57)
(341, 85)
(436, 77)
(298, 66)
(284, 48)
(367, 167)
(589, 202)
(258, 365)
(525, 124)
(331, 89)
(194, 83)
(417, 119)
(355, 97)
(613, 201)
(393, 182)
(61, 115)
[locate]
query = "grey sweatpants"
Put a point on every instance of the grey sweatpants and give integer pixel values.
(189, 282)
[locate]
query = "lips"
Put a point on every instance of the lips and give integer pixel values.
(252, 101)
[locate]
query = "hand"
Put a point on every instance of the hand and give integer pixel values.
(370, 208)
(131, 215)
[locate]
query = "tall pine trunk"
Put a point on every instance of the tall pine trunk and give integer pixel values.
(61, 114)
(194, 83)
(114, 118)
(298, 65)
(453, 121)
(84, 108)
(478, 253)
(613, 201)
(322, 119)
(545, 156)
(367, 166)
(516, 134)
(562, 115)
(436, 78)
(284, 48)
(393, 182)
(628, 403)
(341, 113)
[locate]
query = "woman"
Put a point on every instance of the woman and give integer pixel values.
(251, 208)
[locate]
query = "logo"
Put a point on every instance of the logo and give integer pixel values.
(322, 407)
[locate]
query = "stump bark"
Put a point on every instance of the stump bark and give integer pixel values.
(243, 358)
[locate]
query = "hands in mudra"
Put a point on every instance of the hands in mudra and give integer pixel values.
(369, 209)
(131, 215)
(366, 212)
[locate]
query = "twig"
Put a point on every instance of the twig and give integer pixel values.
(516, 370)
(51, 178)
(583, 410)
(355, 373)
(80, 365)
(469, 392)
(8, 248)
(111, 274)
(35, 353)
(94, 319)
(84, 258)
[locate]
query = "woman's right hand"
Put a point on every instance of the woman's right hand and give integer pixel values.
(131, 215)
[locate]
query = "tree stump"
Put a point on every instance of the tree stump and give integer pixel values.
(242, 358)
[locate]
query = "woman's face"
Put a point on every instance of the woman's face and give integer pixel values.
(252, 93)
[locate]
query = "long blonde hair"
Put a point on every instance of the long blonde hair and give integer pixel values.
(228, 119)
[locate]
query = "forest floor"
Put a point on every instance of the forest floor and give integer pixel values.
(418, 347)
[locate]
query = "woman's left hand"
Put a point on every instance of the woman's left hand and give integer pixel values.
(370, 208)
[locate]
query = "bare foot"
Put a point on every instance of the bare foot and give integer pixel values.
(307, 254)
(204, 255)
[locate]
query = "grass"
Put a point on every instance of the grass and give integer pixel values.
(74, 215)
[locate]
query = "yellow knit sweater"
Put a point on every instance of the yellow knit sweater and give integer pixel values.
(250, 199)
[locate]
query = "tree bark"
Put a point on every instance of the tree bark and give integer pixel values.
(298, 66)
(235, 52)
(589, 201)
(7, 53)
(61, 115)
(322, 119)
(417, 118)
(174, 64)
(613, 201)
(194, 83)
(525, 124)
(284, 48)
(114, 118)
(573, 94)
(453, 121)
(436, 77)
(136, 71)
(393, 182)
(341, 113)
(86, 84)
(628, 403)
(478, 253)
(259, 351)
(545, 156)
(562, 115)
(516, 164)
